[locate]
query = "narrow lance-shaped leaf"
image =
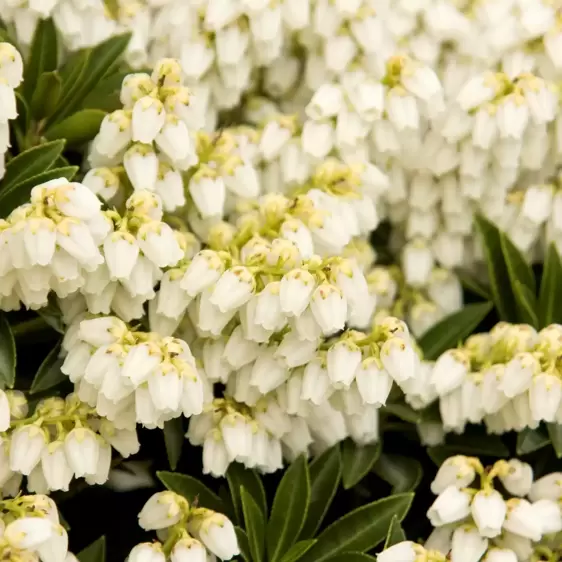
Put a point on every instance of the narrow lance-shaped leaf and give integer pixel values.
(46, 95)
(254, 521)
(79, 128)
(296, 552)
(357, 461)
(42, 56)
(7, 354)
(530, 440)
(395, 534)
(93, 553)
(49, 373)
(555, 434)
(550, 295)
(238, 476)
(174, 438)
(402, 473)
(191, 489)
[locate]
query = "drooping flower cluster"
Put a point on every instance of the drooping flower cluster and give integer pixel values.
(187, 532)
(11, 74)
(130, 376)
(473, 522)
(63, 439)
(508, 378)
(30, 530)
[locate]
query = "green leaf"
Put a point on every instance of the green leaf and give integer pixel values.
(453, 329)
(500, 282)
(550, 295)
(106, 94)
(254, 522)
(243, 544)
(522, 281)
(357, 461)
(19, 194)
(469, 445)
(473, 285)
(238, 476)
(42, 57)
(395, 534)
(46, 94)
(404, 412)
(359, 530)
(296, 552)
(325, 475)
(530, 440)
(402, 473)
(289, 509)
(49, 373)
(93, 553)
(555, 434)
(23, 119)
(351, 557)
(51, 313)
(100, 62)
(173, 438)
(7, 354)
(27, 164)
(191, 489)
(79, 128)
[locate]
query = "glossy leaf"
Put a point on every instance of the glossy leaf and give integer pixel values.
(297, 551)
(96, 552)
(555, 434)
(238, 476)
(46, 94)
(243, 544)
(7, 354)
(191, 489)
(49, 374)
(526, 304)
(79, 128)
(357, 461)
(30, 163)
(473, 285)
(351, 557)
(325, 476)
(19, 194)
(254, 522)
(395, 534)
(530, 440)
(359, 530)
(550, 295)
(289, 509)
(43, 56)
(453, 329)
(498, 273)
(105, 95)
(174, 436)
(402, 473)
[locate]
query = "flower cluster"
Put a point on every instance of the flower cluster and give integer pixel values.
(187, 532)
(130, 376)
(472, 522)
(11, 74)
(30, 529)
(63, 439)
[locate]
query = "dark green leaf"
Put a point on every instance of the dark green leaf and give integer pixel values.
(289, 509)
(254, 522)
(106, 94)
(498, 273)
(238, 476)
(453, 329)
(42, 57)
(94, 553)
(473, 285)
(49, 373)
(325, 476)
(24, 117)
(402, 473)
(191, 489)
(7, 354)
(19, 194)
(297, 551)
(359, 530)
(357, 461)
(526, 304)
(79, 128)
(51, 313)
(46, 94)
(530, 440)
(351, 557)
(470, 445)
(550, 295)
(404, 412)
(174, 437)
(395, 534)
(243, 544)
(34, 161)
(101, 62)
(555, 434)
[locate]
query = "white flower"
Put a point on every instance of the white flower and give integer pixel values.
(54, 549)
(55, 466)
(477, 90)
(488, 510)
(399, 359)
(205, 270)
(456, 471)
(373, 382)
(82, 450)
(521, 519)
(26, 448)
(467, 545)
(519, 478)
(326, 102)
(233, 289)
(545, 396)
(147, 120)
(141, 165)
(147, 552)
(518, 374)
(159, 244)
(343, 359)
(217, 534)
(4, 412)
(215, 455)
(449, 371)
(162, 510)
(450, 506)
(28, 532)
(329, 308)
(548, 487)
(402, 552)
(114, 134)
(102, 331)
(188, 550)
(209, 195)
(295, 291)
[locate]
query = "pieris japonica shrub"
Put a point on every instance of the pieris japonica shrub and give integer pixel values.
(280, 281)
